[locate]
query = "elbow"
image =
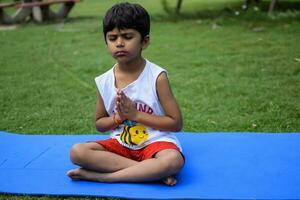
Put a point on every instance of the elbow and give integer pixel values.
(177, 126)
(99, 127)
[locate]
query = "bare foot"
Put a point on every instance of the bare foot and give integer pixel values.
(171, 181)
(80, 173)
(74, 174)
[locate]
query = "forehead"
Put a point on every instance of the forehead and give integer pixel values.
(117, 31)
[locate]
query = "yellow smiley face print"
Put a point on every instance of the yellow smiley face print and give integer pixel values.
(134, 135)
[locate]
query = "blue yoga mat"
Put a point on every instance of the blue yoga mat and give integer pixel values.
(218, 166)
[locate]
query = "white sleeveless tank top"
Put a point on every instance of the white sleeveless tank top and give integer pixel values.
(143, 92)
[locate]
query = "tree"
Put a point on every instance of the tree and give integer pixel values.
(168, 9)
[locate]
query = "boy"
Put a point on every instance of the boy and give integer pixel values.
(135, 101)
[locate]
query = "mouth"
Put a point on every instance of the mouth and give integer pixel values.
(121, 53)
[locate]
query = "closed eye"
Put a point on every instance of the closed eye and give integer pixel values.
(112, 38)
(127, 36)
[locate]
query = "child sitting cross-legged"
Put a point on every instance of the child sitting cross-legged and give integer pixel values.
(136, 103)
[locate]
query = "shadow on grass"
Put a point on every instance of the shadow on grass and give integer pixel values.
(282, 6)
(71, 20)
(66, 25)
(68, 20)
(286, 9)
(234, 9)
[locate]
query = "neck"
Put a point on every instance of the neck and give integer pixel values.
(132, 66)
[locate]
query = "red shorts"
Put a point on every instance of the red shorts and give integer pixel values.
(147, 152)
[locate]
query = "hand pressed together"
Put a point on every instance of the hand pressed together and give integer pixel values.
(126, 108)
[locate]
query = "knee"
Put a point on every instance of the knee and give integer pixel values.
(76, 153)
(174, 162)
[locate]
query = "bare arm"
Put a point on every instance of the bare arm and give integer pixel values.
(172, 121)
(103, 122)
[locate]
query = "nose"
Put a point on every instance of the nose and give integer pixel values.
(120, 42)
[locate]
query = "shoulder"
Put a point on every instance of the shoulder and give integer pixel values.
(154, 67)
(162, 77)
(156, 70)
(103, 77)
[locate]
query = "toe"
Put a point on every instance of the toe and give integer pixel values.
(74, 173)
(170, 181)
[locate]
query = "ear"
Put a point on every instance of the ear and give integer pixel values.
(145, 42)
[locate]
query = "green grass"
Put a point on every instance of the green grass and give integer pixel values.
(229, 72)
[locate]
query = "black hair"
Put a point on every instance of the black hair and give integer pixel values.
(127, 15)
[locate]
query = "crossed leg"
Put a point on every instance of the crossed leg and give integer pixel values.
(97, 164)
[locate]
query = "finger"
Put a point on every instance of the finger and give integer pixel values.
(119, 109)
(118, 100)
(126, 99)
(122, 106)
(118, 97)
(119, 91)
(123, 99)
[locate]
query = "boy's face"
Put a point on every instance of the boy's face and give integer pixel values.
(125, 45)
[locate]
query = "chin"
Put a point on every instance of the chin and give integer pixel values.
(123, 59)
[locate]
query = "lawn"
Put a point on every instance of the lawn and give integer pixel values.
(229, 71)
